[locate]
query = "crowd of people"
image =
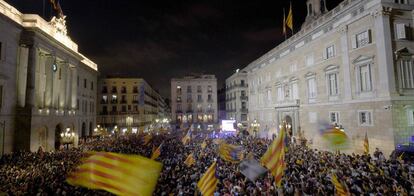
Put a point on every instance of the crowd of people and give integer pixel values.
(307, 171)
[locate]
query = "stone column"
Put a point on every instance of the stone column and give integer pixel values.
(386, 80)
(346, 70)
(74, 87)
(22, 75)
(48, 81)
(31, 78)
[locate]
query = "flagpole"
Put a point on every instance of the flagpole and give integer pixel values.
(284, 24)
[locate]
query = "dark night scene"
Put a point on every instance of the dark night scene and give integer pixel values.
(207, 98)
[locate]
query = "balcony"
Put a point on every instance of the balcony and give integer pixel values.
(210, 111)
(189, 111)
(123, 101)
(189, 100)
(103, 113)
(210, 100)
(244, 98)
(114, 101)
(199, 100)
(231, 110)
(114, 91)
(178, 111)
(123, 91)
(104, 101)
(104, 91)
(244, 110)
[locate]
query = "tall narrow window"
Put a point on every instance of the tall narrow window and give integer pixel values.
(311, 88)
(295, 92)
(330, 52)
(333, 84)
(280, 94)
(84, 83)
(406, 74)
(365, 78)
(365, 118)
(1, 52)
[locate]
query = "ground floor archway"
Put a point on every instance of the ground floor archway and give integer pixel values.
(58, 131)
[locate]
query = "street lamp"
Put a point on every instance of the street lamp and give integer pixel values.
(67, 137)
(129, 121)
(255, 126)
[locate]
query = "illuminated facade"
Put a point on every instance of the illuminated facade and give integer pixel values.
(129, 103)
(236, 98)
(351, 66)
(194, 99)
(47, 88)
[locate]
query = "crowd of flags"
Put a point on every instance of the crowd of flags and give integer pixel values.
(132, 174)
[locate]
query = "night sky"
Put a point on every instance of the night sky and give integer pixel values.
(159, 40)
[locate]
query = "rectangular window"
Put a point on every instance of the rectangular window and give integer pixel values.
(84, 83)
(135, 89)
(135, 99)
(242, 82)
(178, 98)
(330, 52)
(1, 52)
(243, 93)
(91, 85)
(77, 81)
(209, 89)
(209, 97)
(269, 95)
(333, 84)
(123, 89)
(334, 117)
(179, 90)
(362, 39)
(198, 89)
(199, 98)
(295, 91)
(311, 88)
(410, 117)
(401, 31)
(280, 95)
(123, 108)
(77, 104)
(365, 118)
(309, 60)
(406, 74)
(114, 109)
(365, 78)
(293, 68)
(189, 89)
(401, 1)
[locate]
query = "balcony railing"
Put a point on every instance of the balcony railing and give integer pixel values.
(244, 110)
(114, 101)
(231, 110)
(230, 99)
(104, 102)
(199, 100)
(189, 111)
(210, 100)
(123, 101)
(179, 111)
(244, 98)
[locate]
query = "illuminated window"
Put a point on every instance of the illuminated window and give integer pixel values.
(365, 118)
(178, 89)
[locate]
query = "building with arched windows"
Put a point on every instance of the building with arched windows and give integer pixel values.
(351, 66)
(47, 87)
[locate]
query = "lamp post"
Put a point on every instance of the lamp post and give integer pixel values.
(129, 121)
(67, 137)
(255, 126)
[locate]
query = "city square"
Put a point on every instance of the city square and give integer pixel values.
(309, 97)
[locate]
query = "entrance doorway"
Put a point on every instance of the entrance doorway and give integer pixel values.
(58, 131)
(289, 121)
(83, 129)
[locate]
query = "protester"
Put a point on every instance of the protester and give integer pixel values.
(307, 171)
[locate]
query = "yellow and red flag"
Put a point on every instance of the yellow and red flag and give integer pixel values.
(119, 174)
(189, 161)
(147, 139)
(203, 145)
(274, 157)
(231, 153)
(156, 153)
(366, 144)
(207, 184)
(289, 19)
(339, 188)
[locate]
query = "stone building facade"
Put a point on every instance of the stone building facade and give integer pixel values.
(237, 98)
(351, 66)
(129, 103)
(47, 88)
(194, 100)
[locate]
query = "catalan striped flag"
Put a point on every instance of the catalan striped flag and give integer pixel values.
(189, 161)
(274, 157)
(147, 139)
(284, 22)
(186, 139)
(289, 18)
(207, 184)
(157, 152)
(231, 153)
(366, 144)
(339, 188)
(119, 174)
(204, 144)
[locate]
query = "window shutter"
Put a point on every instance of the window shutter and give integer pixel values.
(354, 42)
(401, 31)
(369, 35)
